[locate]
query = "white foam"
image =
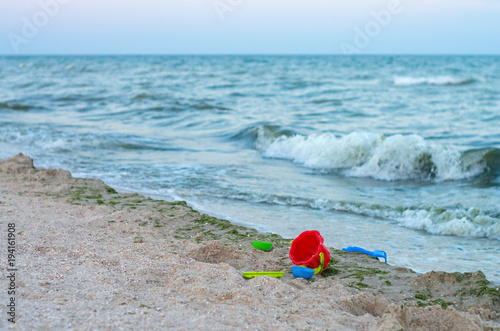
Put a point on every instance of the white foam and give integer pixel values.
(325, 151)
(452, 222)
(365, 154)
(460, 223)
(437, 80)
(47, 140)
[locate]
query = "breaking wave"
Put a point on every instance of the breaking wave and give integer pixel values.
(437, 80)
(366, 154)
(452, 221)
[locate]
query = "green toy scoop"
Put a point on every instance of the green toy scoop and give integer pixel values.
(262, 245)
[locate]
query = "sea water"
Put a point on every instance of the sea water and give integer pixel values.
(397, 153)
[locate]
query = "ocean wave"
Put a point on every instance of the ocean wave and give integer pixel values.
(145, 96)
(261, 135)
(74, 142)
(14, 106)
(207, 106)
(489, 156)
(327, 102)
(437, 80)
(366, 154)
(456, 221)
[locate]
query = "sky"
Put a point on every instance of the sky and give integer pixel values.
(249, 27)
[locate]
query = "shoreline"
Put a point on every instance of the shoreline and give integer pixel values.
(91, 257)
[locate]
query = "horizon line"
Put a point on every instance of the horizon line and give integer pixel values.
(251, 54)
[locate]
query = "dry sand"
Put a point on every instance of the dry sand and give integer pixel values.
(91, 258)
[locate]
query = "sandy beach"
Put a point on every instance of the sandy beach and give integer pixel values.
(91, 258)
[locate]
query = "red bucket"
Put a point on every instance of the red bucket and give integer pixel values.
(306, 251)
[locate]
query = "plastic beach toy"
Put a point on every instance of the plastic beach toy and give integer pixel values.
(302, 272)
(252, 274)
(308, 250)
(376, 253)
(262, 245)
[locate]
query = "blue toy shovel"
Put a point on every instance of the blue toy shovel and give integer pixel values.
(376, 253)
